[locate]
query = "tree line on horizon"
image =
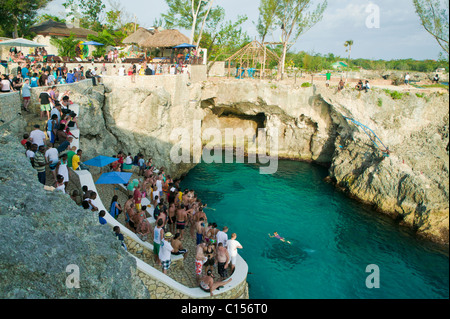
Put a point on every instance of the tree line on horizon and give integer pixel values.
(209, 28)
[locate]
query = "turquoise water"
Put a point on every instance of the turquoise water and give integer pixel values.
(333, 237)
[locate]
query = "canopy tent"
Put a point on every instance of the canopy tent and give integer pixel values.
(165, 39)
(93, 43)
(20, 42)
(252, 54)
(114, 178)
(101, 161)
(185, 45)
(138, 37)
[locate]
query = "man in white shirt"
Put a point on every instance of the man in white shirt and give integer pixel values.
(165, 252)
(222, 237)
(51, 155)
(122, 71)
(37, 136)
(233, 246)
(159, 187)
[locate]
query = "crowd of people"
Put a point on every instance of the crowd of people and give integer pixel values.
(30, 75)
(178, 213)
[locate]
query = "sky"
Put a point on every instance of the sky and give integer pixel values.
(380, 29)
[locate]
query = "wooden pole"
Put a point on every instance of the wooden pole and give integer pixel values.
(264, 64)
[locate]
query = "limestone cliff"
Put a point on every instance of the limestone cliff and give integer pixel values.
(411, 184)
(44, 235)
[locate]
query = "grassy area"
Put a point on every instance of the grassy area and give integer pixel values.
(306, 85)
(395, 95)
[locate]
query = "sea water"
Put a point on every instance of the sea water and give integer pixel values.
(333, 238)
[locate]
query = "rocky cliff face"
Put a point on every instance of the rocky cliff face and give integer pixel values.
(411, 184)
(44, 235)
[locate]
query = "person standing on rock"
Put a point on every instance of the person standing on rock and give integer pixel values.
(222, 237)
(144, 229)
(200, 259)
(26, 94)
(63, 169)
(328, 75)
(44, 100)
(172, 218)
(223, 259)
(165, 252)
(158, 234)
(40, 163)
(233, 246)
(181, 220)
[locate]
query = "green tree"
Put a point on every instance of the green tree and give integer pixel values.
(46, 16)
(348, 44)
(106, 38)
(66, 46)
(91, 11)
(294, 18)
(17, 16)
(266, 18)
(434, 19)
(223, 38)
(186, 14)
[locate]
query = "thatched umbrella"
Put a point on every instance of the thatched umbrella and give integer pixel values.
(138, 37)
(165, 39)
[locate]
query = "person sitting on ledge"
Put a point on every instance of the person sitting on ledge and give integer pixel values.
(207, 283)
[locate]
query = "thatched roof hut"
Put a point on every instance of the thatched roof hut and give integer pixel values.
(141, 35)
(165, 39)
(53, 28)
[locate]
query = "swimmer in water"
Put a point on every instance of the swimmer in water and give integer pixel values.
(275, 235)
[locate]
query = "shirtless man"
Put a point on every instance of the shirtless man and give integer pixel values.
(163, 216)
(201, 214)
(144, 229)
(200, 259)
(131, 212)
(172, 218)
(222, 259)
(137, 218)
(181, 220)
(207, 283)
(200, 229)
(128, 203)
(177, 246)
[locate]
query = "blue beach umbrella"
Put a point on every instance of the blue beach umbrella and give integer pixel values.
(185, 45)
(93, 43)
(101, 161)
(114, 178)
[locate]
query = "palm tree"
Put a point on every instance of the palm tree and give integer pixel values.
(66, 46)
(348, 44)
